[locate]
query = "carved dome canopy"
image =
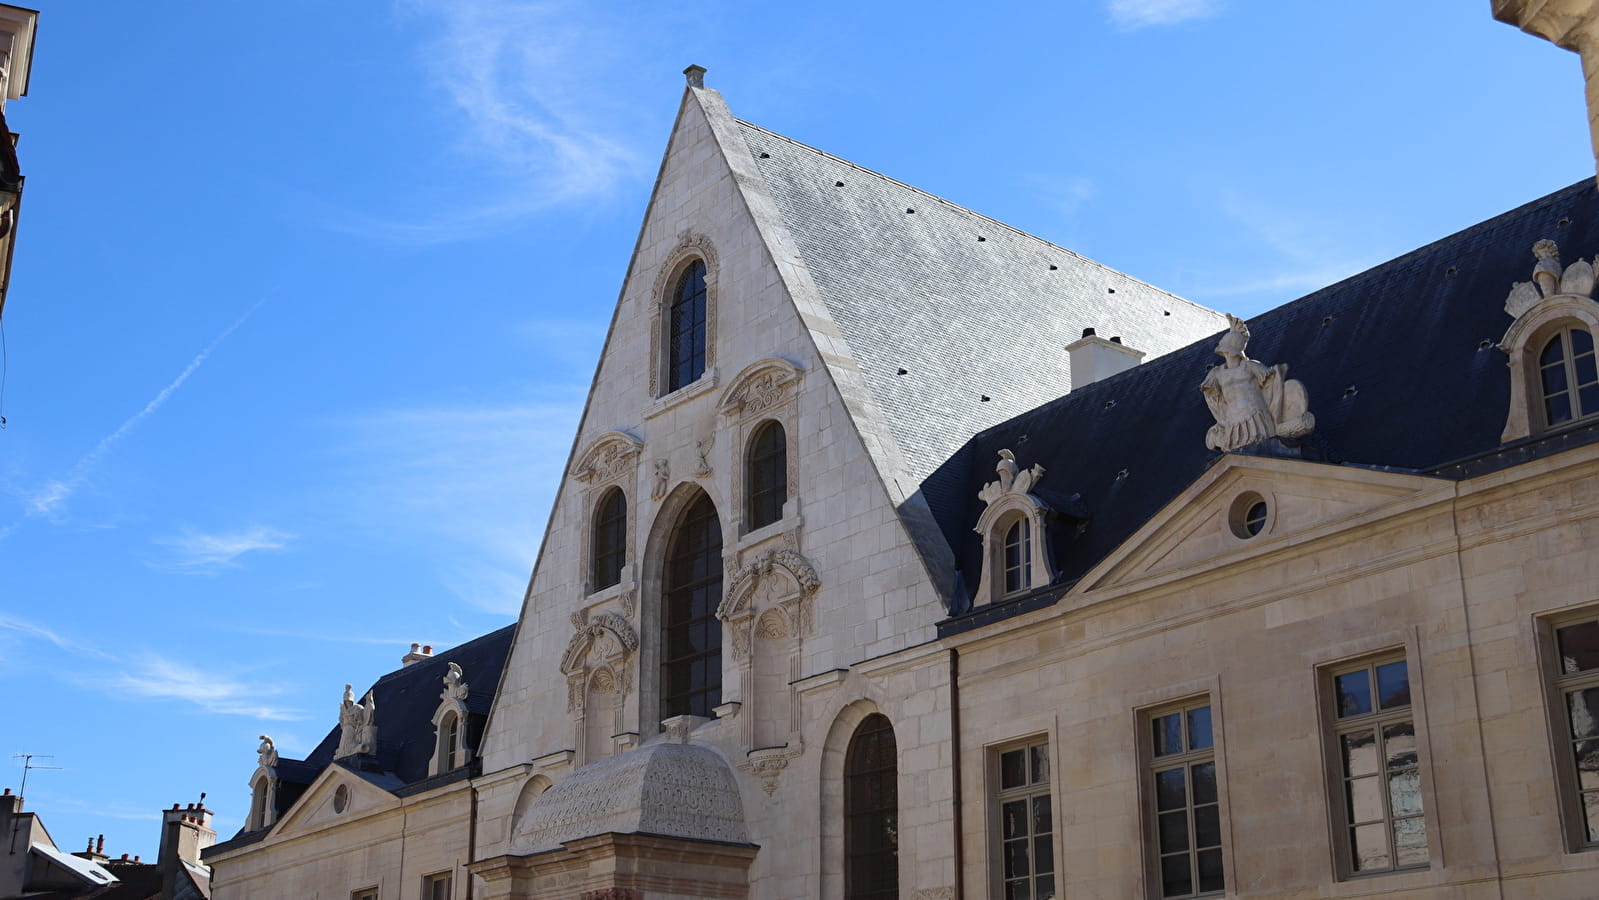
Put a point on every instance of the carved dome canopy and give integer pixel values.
(671, 789)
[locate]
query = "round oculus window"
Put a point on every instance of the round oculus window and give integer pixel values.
(1248, 515)
(341, 798)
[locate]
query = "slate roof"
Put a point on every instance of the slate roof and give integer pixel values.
(1400, 363)
(965, 318)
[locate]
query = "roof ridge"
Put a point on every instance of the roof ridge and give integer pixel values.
(966, 209)
(442, 654)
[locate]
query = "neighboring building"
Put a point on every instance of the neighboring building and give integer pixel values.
(877, 572)
(36, 868)
(17, 27)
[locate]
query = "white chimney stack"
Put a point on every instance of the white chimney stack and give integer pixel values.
(1095, 359)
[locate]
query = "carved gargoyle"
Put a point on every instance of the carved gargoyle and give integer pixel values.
(1251, 401)
(1549, 280)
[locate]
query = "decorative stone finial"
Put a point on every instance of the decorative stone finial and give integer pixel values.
(1252, 402)
(1549, 280)
(1011, 480)
(695, 76)
(454, 687)
(357, 725)
(267, 753)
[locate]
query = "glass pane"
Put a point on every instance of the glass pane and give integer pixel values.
(1013, 819)
(1040, 763)
(1353, 690)
(1579, 645)
(1173, 828)
(1207, 827)
(1583, 363)
(1175, 878)
(1042, 820)
(1168, 734)
(1199, 728)
(1557, 408)
(1046, 887)
(1410, 842)
(1588, 399)
(1404, 792)
(1369, 847)
(1043, 854)
(1017, 890)
(1360, 752)
(1581, 342)
(1210, 875)
(1012, 768)
(1554, 379)
(1399, 745)
(1587, 755)
(1170, 791)
(1590, 812)
(1553, 352)
(1016, 859)
(1584, 708)
(1365, 799)
(1204, 776)
(1393, 685)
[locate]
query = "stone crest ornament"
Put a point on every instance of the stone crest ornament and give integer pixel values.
(606, 626)
(358, 731)
(267, 753)
(454, 687)
(608, 457)
(1251, 401)
(1011, 480)
(1549, 280)
(761, 387)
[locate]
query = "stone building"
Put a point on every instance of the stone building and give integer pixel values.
(859, 585)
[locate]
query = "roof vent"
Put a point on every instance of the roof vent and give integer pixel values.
(838, 184)
(1094, 359)
(1053, 267)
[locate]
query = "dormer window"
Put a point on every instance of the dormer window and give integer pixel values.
(450, 749)
(1015, 556)
(449, 742)
(1568, 378)
(686, 329)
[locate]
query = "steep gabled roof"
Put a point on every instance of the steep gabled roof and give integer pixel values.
(1400, 363)
(966, 306)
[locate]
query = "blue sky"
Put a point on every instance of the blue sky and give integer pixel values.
(307, 295)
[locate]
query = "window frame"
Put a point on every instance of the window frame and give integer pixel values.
(851, 891)
(430, 881)
(1335, 727)
(1560, 332)
(1557, 686)
(697, 303)
(366, 893)
(775, 459)
(712, 585)
(604, 525)
(998, 796)
(1152, 765)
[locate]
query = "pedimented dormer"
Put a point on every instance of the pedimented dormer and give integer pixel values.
(451, 738)
(1249, 505)
(1553, 374)
(1015, 547)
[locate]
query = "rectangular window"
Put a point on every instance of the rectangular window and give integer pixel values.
(1379, 767)
(1026, 836)
(437, 887)
(1576, 672)
(370, 893)
(1184, 805)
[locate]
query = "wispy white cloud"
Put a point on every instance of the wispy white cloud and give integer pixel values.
(523, 78)
(1289, 254)
(49, 499)
(475, 481)
(1134, 14)
(27, 629)
(207, 554)
(158, 678)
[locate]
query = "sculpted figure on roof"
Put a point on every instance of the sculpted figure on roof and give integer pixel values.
(357, 725)
(267, 753)
(1251, 401)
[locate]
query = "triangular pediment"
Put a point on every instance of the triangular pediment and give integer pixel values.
(322, 802)
(1210, 522)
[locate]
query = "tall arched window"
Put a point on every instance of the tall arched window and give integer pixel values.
(686, 329)
(1568, 378)
(691, 645)
(871, 812)
(1018, 556)
(767, 476)
(449, 741)
(610, 539)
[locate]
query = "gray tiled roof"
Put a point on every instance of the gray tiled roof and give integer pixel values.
(965, 318)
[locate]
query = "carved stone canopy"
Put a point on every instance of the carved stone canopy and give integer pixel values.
(736, 602)
(1549, 280)
(760, 387)
(1251, 402)
(605, 625)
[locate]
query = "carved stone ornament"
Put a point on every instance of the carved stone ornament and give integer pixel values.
(605, 625)
(608, 457)
(358, 732)
(663, 478)
(761, 387)
(267, 753)
(1251, 401)
(746, 579)
(1011, 480)
(454, 687)
(1549, 280)
(702, 455)
(768, 763)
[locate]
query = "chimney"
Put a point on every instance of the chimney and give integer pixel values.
(1095, 359)
(184, 833)
(95, 852)
(418, 654)
(10, 804)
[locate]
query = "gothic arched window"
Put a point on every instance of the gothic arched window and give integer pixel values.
(685, 330)
(871, 812)
(610, 539)
(766, 479)
(691, 645)
(1018, 556)
(1567, 377)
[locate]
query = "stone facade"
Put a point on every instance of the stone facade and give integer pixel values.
(1240, 588)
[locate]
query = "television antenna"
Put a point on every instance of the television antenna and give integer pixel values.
(28, 766)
